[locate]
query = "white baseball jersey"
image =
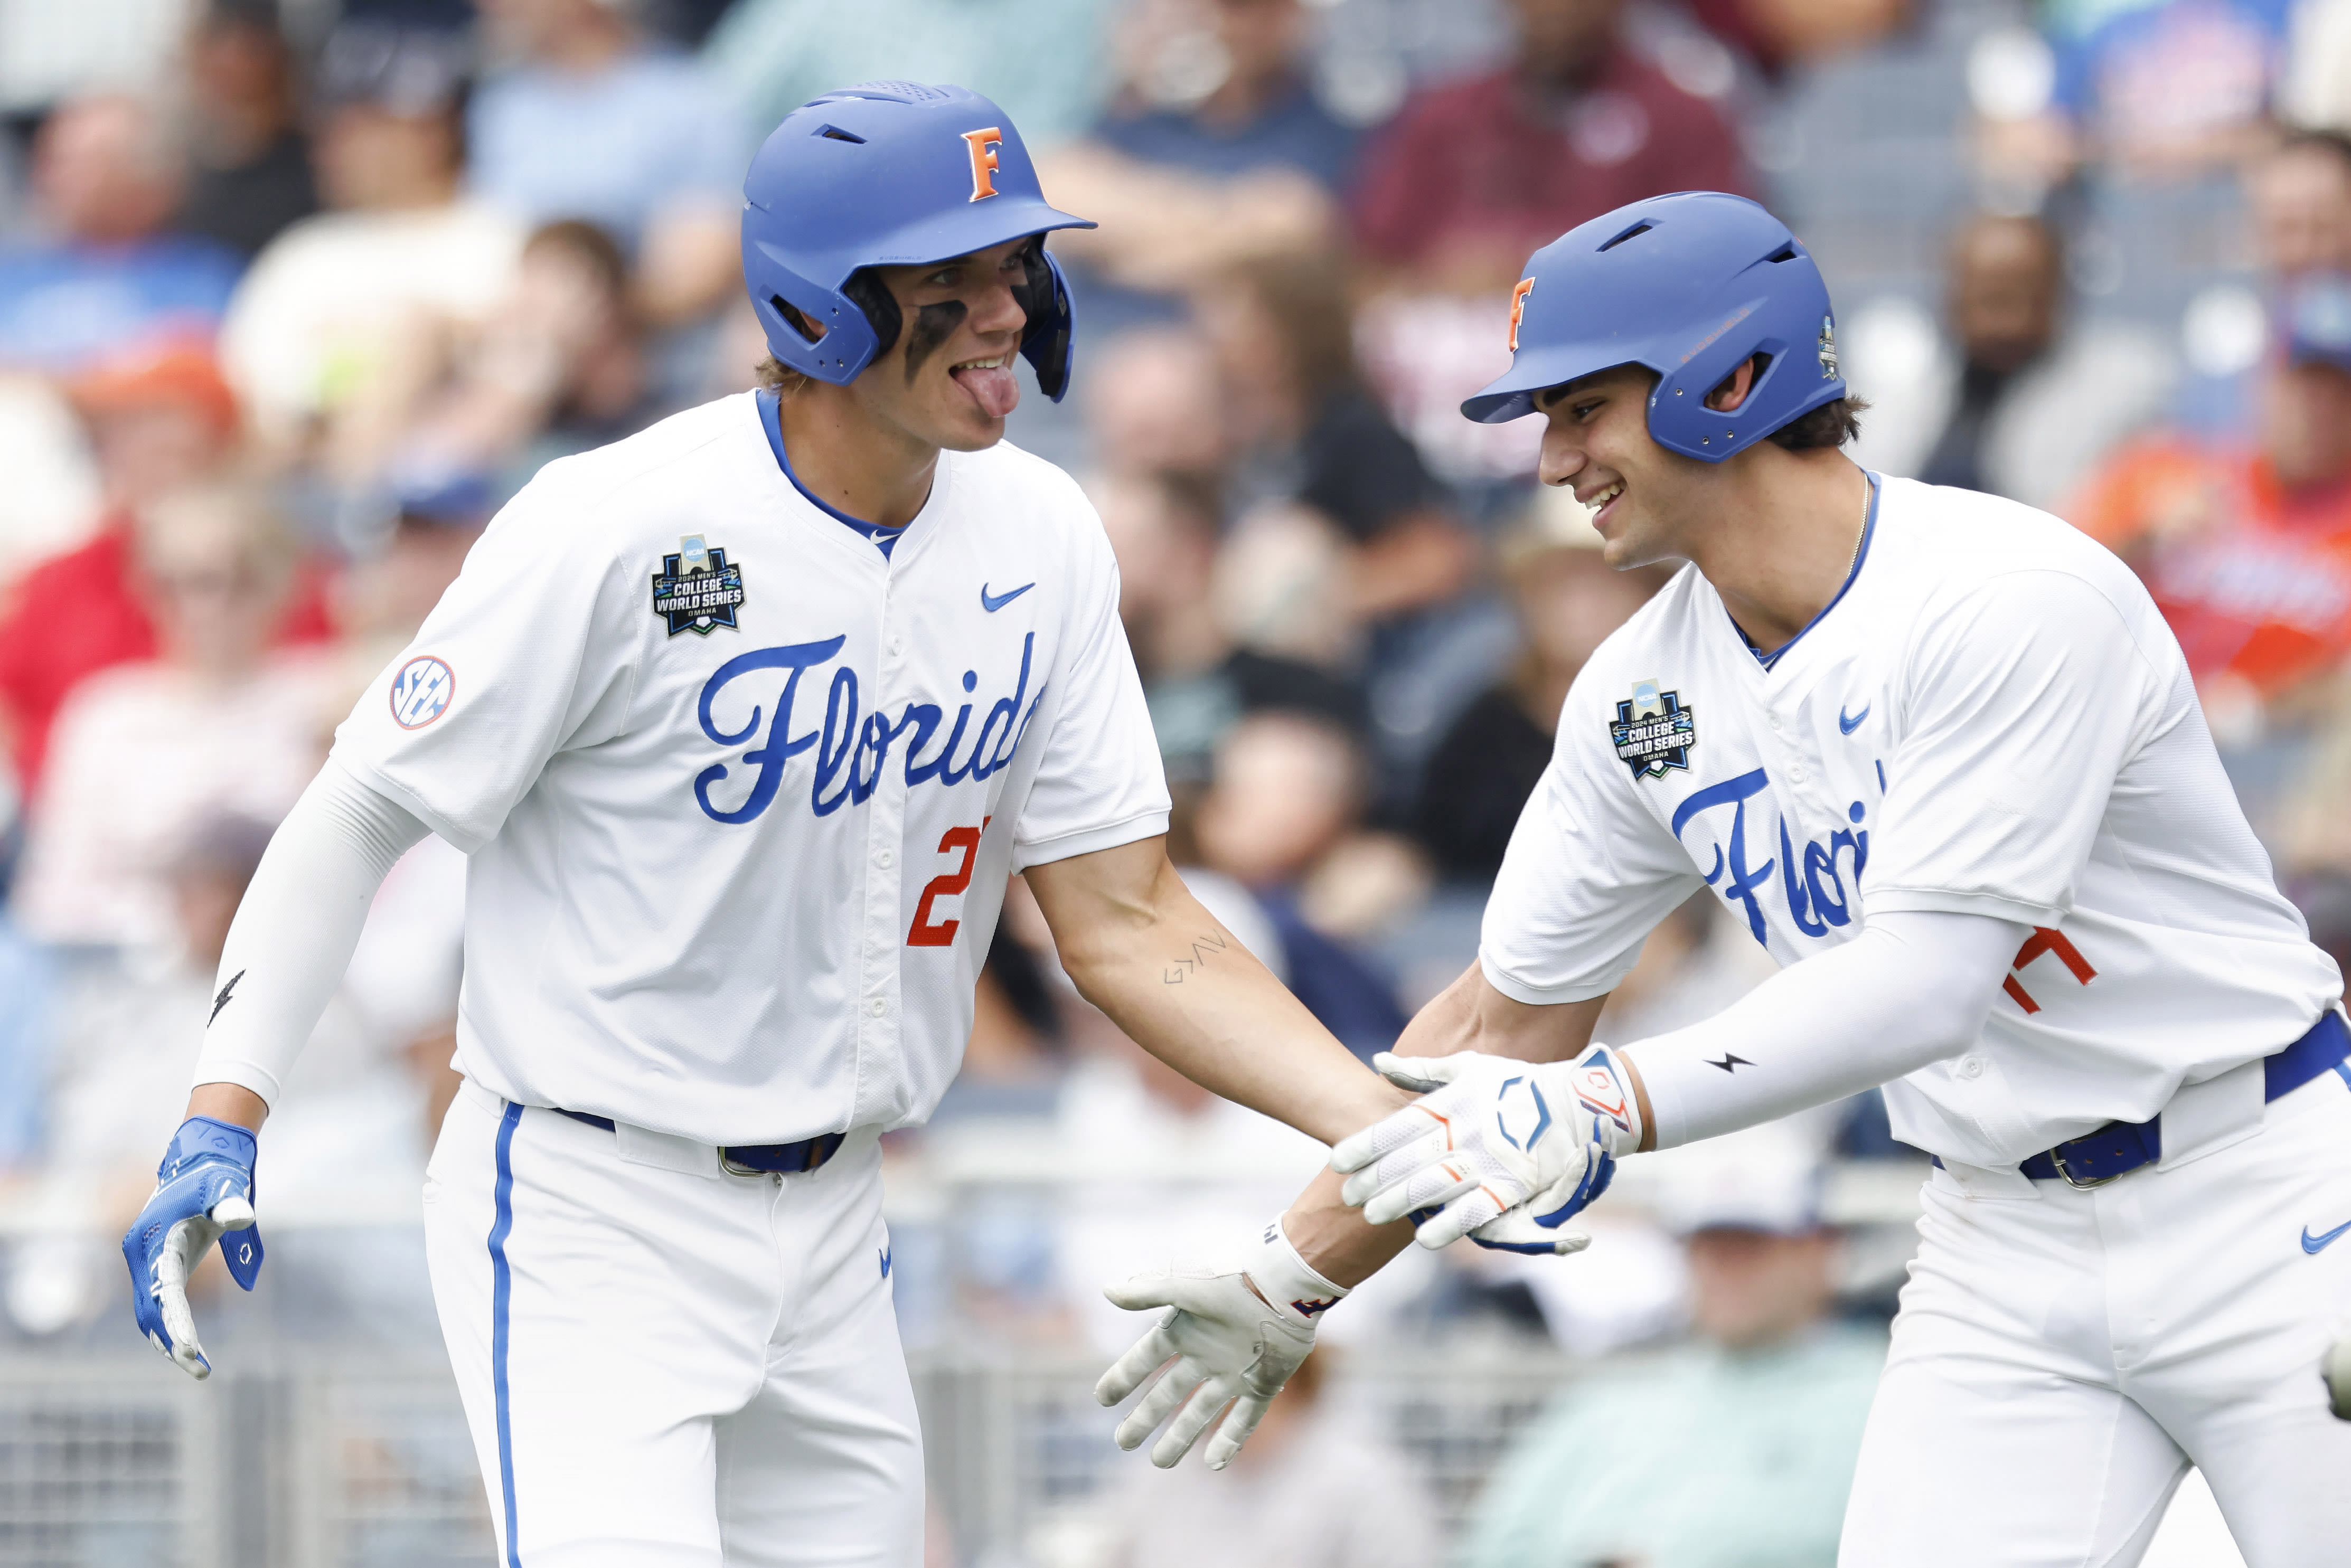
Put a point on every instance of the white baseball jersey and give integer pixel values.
(1990, 718)
(741, 793)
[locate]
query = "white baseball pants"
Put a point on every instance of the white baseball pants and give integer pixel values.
(665, 1365)
(2063, 1356)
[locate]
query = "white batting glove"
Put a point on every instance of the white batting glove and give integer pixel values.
(1231, 1334)
(1488, 1136)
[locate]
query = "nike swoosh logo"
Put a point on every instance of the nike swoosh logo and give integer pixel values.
(2315, 1245)
(992, 602)
(1848, 724)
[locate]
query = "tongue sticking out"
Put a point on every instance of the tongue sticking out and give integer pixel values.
(994, 388)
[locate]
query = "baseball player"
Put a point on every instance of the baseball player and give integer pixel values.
(1938, 754)
(744, 722)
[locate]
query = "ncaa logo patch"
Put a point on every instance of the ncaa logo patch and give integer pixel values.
(421, 691)
(1654, 731)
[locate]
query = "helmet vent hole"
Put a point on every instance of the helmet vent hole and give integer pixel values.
(808, 331)
(835, 133)
(1633, 232)
(1785, 253)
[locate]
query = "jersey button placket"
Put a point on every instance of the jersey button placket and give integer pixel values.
(885, 831)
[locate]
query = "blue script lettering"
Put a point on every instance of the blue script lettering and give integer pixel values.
(1811, 877)
(1734, 793)
(850, 754)
(780, 748)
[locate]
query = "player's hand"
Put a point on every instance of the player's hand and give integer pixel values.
(1229, 1335)
(203, 1193)
(1488, 1136)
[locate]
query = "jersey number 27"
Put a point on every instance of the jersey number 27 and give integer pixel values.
(925, 932)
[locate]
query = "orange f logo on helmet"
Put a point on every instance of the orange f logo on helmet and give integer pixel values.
(984, 145)
(1519, 307)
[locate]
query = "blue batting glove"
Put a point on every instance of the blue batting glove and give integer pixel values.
(203, 1192)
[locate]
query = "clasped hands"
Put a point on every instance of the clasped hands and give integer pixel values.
(1503, 1152)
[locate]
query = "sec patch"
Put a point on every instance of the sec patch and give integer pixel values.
(421, 691)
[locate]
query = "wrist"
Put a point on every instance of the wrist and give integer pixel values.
(1286, 1281)
(230, 1102)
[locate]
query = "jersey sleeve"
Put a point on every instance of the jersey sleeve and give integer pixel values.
(528, 654)
(1100, 782)
(2023, 699)
(1588, 874)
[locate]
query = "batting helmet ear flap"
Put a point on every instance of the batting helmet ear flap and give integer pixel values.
(1046, 342)
(1679, 403)
(866, 291)
(844, 343)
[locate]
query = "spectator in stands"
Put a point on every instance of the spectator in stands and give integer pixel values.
(1283, 816)
(1566, 600)
(1153, 406)
(142, 752)
(1163, 527)
(343, 300)
(1257, 112)
(158, 417)
(1736, 1450)
(250, 162)
(1321, 450)
(2247, 547)
(2168, 86)
(590, 120)
(561, 367)
(1314, 1486)
(2021, 403)
(105, 274)
(1042, 61)
(1473, 175)
(385, 595)
(1245, 163)
(1775, 34)
(2301, 196)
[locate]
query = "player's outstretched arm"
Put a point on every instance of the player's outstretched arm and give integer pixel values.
(287, 951)
(1141, 948)
(1504, 1154)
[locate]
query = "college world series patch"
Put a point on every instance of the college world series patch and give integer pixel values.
(697, 588)
(1653, 731)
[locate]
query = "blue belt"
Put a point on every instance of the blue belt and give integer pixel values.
(2119, 1148)
(751, 1159)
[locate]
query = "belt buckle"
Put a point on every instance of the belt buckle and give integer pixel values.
(2080, 1183)
(727, 1163)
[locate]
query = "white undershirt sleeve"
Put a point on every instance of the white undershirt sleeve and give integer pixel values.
(297, 926)
(1914, 988)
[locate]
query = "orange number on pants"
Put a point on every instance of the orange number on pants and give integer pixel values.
(952, 885)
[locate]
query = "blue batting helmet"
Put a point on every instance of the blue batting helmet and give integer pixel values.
(885, 173)
(1692, 286)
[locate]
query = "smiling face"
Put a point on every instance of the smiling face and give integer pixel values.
(947, 381)
(1598, 442)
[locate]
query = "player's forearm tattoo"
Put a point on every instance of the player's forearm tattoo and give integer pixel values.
(1184, 969)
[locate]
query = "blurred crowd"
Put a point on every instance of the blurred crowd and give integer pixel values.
(294, 294)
